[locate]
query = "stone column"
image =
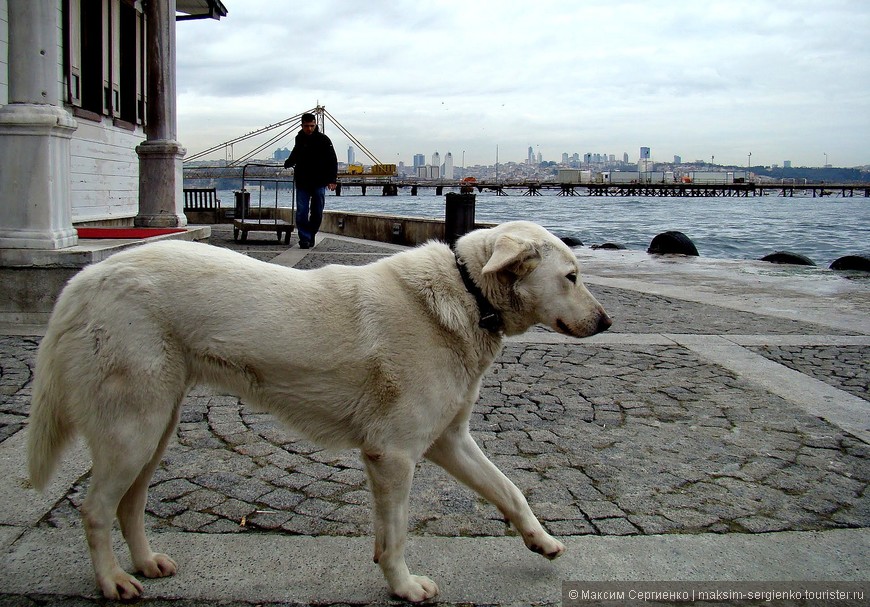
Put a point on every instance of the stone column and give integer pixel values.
(161, 200)
(35, 132)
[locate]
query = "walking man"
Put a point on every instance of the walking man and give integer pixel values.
(316, 170)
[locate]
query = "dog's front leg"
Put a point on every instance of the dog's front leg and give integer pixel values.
(458, 454)
(390, 476)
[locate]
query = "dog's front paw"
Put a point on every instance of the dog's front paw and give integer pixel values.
(545, 545)
(158, 565)
(120, 586)
(416, 588)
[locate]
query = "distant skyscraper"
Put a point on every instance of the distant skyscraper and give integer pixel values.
(419, 160)
(678, 159)
(564, 157)
(540, 158)
(786, 164)
(625, 157)
(351, 158)
(448, 166)
(436, 159)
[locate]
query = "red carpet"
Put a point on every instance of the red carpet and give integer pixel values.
(125, 232)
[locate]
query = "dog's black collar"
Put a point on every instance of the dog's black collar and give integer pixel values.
(490, 318)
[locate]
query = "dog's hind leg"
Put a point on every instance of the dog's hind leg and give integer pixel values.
(131, 515)
(458, 454)
(390, 476)
(110, 480)
(125, 454)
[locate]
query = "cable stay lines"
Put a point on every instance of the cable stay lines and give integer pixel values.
(284, 128)
(348, 134)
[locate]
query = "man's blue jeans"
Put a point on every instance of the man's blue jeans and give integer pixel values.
(309, 212)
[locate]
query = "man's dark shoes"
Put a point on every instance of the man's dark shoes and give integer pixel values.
(304, 244)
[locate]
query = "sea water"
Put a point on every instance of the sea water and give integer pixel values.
(822, 229)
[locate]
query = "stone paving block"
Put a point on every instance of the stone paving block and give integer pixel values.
(282, 499)
(164, 509)
(234, 510)
(222, 525)
(297, 480)
(269, 519)
(614, 526)
(191, 520)
(202, 499)
(235, 485)
(172, 489)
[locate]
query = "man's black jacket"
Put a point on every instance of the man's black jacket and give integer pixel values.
(314, 159)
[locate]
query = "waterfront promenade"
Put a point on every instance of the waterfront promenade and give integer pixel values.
(719, 431)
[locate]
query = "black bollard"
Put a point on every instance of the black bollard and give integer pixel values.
(458, 216)
(243, 204)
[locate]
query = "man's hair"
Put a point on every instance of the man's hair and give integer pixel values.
(308, 118)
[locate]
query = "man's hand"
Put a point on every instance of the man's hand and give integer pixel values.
(331, 187)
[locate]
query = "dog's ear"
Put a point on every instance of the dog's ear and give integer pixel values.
(512, 255)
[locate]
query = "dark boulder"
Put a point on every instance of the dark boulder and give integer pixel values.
(609, 245)
(787, 257)
(672, 243)
(860, 263)
(571, 241)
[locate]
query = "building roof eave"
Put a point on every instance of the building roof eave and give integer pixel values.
(199, 9)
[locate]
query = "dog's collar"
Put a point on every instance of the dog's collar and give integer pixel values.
(490, 318)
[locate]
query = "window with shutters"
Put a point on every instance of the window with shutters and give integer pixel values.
(104, 60)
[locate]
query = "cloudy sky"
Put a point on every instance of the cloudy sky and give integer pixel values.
(780, 79)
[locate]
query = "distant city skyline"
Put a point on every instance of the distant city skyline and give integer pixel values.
(448, 170)
(645, 157)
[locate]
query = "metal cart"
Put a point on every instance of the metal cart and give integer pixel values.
(266, 220)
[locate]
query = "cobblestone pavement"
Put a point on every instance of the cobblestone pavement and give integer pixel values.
(17, 359)
(617, 439)
(603, 440)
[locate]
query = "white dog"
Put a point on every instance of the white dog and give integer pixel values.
(386, 358)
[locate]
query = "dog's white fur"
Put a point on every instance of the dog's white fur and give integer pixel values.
(387, 358)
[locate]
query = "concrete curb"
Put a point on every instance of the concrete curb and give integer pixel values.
(257, 568)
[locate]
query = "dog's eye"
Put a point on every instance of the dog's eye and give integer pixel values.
(572, 277)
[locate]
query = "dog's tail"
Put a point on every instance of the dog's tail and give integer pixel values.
(49, 429)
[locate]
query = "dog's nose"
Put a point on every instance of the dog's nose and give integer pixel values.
(604, 323)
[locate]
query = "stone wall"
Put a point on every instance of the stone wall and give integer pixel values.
(383, 228)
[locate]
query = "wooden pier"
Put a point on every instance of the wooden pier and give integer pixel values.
(392, 186)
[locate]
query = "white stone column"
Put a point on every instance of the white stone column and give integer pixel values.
(161, 200)
(35, 131)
